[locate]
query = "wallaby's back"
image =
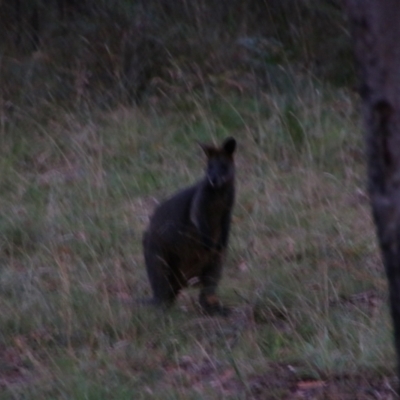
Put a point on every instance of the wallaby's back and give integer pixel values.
(188, 233)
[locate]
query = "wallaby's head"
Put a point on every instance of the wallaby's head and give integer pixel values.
(220, 166)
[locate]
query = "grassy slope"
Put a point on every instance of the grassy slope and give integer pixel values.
(303, 275)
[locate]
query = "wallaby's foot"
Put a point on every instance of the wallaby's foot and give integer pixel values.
(211, 305)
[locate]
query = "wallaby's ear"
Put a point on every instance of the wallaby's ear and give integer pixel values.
(229, 145)
(208, 149)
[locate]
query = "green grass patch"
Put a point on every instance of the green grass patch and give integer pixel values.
(303, 274)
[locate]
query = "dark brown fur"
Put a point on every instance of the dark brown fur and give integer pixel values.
(188, 233)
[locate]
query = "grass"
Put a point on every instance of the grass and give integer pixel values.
(303, 274)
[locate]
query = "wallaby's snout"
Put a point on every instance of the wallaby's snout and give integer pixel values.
(216, 181)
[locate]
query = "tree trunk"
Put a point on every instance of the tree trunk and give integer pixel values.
(375, 27)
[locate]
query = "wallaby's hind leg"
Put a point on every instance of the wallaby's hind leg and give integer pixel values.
(163, 284)
(209, 279)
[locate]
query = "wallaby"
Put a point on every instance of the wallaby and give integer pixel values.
(188, 233)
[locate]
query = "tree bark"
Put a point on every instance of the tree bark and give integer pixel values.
(375, 26)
